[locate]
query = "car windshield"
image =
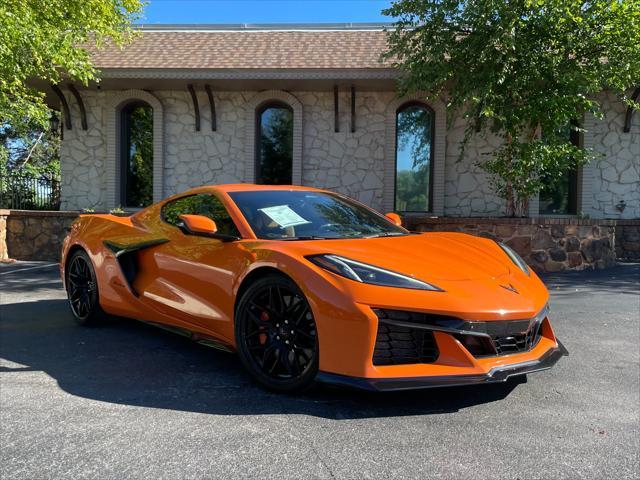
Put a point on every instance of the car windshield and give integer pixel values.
(309, 215)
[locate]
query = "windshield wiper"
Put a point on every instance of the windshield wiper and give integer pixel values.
(385, 234)
(305, 237)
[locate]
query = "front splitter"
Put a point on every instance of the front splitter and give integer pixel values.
(496, 375)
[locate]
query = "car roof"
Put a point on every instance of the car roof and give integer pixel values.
(243, 187)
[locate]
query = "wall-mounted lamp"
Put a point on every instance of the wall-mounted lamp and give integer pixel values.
(621, 206)
(54, 122)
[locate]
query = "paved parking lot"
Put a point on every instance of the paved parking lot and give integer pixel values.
(126, 400)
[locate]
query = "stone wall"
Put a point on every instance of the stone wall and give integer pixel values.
(467, 188)
(548, 245)
(34, 235)
(83, 155)
(628, 240)
(353, 163)
(615, 171)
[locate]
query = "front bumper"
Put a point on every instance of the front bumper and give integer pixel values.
(495, 375)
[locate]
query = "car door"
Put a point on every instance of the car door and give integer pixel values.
(191, 277)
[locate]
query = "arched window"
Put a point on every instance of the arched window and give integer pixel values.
(274, 144)
(136, 157)
(414, 158)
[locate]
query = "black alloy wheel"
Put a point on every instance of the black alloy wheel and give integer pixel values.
(82, 289)
(276, 334)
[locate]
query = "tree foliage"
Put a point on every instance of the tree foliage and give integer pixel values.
(516, 69)
(32, 150)
(44, 40)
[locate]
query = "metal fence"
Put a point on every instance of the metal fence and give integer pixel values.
(23, 191)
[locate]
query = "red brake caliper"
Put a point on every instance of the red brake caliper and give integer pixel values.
(264, 316)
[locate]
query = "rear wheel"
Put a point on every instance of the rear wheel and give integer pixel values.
(276, 334)
(82, 289)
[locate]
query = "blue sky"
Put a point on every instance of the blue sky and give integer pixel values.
(264, 11)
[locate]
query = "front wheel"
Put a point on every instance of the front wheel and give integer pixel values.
(276, 335)
(82, 289)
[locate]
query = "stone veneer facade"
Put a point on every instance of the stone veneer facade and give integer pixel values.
(360, 164)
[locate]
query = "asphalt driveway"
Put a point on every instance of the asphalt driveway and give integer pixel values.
(126, 400)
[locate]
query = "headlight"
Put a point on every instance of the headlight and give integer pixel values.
(365, 273)
(515, 258)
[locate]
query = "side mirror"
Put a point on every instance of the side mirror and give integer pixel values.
(199, 224)
(203, 227)
(394, 218)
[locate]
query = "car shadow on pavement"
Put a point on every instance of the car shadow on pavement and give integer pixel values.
(131, 363)
(15, 282)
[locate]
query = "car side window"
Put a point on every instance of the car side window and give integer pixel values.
(200, 204)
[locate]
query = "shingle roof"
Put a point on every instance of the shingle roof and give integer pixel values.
(281, 49)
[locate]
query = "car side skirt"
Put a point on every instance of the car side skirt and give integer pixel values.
(496, 375)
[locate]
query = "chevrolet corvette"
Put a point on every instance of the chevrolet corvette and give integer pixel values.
(307, 286)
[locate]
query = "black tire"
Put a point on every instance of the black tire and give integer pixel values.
(82, 289)
(276, 335)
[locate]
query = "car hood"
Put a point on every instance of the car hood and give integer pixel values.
(428, 256)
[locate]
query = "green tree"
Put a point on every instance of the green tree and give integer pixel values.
(47, 40)
(32, 149)
(517, 69)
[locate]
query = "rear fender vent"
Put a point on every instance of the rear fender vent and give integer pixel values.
(129, 265)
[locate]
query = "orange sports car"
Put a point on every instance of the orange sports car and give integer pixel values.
(308, 285)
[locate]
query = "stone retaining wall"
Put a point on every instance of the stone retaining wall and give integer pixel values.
(33, 235)
(547, 244)
(628, 240)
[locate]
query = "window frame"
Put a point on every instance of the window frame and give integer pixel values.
(164, 219)
(125, 146)
(260, 109)
(405, 105)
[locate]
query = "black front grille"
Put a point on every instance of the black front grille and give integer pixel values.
(480, 338)
(397, 345)
(522, 342)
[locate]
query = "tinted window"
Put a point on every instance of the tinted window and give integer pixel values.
(137, 155)
(201, 204)
(414, 146)
(275, 145)
(559, 195)
(292, 214)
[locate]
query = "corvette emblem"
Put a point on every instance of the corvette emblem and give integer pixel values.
(510, 287)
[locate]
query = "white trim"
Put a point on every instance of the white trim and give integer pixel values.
(116, 100)
(250, 112)
(438, 158)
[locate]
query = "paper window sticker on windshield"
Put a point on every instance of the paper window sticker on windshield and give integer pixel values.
(284, 216)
